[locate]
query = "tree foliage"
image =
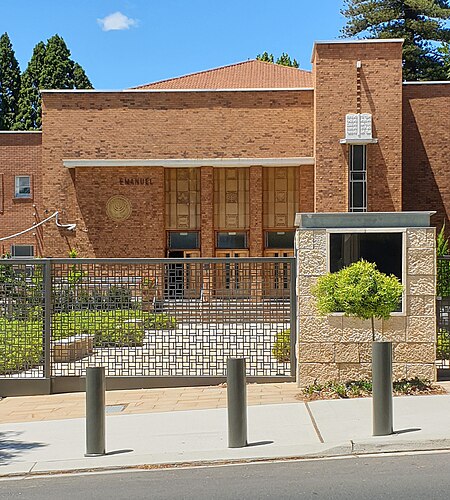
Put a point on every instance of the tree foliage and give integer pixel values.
(283, 60)
(29, 112)
(9, 83)
(50, 67)
(442, 243)
(359, 290)
(445, 54)
(422, 24)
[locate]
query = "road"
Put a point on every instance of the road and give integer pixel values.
(420, 476)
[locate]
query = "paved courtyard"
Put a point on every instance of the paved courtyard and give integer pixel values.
(189, 350)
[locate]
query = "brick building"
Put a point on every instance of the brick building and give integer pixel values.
(217, 163)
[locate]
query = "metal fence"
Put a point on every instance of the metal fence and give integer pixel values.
(443, 317)
(149, 322)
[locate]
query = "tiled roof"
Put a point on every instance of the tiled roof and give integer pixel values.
(247, 74)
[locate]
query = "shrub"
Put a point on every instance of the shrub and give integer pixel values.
(159, 321)
(282, 346)
(359, 290)
(363, 388)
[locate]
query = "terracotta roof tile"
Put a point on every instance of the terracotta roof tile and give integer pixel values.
(247, 74)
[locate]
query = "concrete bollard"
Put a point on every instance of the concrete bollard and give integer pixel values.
(236, 403)
(382, 399)
(95, 411)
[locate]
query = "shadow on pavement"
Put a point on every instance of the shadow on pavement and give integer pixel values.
(404, 431)
(259, 443)
(119, 452)
(11, 447)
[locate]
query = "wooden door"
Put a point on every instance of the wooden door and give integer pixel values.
(277, 275)
(232, 279)
(192, 276)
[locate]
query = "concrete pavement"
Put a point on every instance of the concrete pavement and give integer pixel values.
(62, 406)
(292, 429)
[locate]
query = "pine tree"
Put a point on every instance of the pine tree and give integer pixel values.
(29, 113)
(420, 22)
(80, 79)
(265, 57)
(445, 53)
(9, 83)
(56, 71)
(283, 60)
(50, 67)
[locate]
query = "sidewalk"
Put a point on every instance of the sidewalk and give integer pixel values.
(291, 429)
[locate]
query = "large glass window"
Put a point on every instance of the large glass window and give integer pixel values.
(385, 249)
(183, 241)
(280, 239)
(231, 240)
(22, 186)
(358, 178)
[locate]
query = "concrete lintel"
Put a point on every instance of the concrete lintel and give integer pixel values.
(350, 220)
(359, 141)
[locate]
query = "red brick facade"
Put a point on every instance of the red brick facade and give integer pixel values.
(120, 210)
(20, 155)
(426, 149)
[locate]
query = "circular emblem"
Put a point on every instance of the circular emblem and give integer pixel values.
(118, 208)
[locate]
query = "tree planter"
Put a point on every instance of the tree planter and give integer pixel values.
(382, 400)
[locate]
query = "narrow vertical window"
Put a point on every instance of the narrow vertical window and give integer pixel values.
(358, 178)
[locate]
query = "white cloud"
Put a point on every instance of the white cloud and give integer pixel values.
(116, 21)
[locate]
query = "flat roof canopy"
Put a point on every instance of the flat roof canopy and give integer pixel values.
(191, 162)
(361, 220)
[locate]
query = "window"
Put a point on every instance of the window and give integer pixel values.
(183, 241)
(385, 249)
(358, 178)
(24, 251)
(232, 240)
(280, 239)
(22, 186)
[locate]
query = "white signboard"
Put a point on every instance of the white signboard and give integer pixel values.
(358, 126)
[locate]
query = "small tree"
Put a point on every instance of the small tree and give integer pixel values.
(359, 290)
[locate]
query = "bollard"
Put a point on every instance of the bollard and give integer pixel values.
(382, 400)
(95, 411)
(237, 403)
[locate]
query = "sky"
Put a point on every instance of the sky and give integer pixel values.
(124, 43)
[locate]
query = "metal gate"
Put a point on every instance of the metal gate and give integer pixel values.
(146, 324)
(443, 318)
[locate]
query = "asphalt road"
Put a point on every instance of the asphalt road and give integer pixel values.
(421, 476)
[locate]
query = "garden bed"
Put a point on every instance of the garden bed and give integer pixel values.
(363, 389)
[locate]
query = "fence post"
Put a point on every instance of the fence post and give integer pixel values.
(47, 282)
(95, 411)
(236, 403)
(293, 308)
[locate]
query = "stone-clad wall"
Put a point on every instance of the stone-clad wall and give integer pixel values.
(338, 348)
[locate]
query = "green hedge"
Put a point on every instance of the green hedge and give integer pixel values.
(21, 341)
(20, 345)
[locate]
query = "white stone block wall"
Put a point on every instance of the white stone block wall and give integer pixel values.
(338, 348)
